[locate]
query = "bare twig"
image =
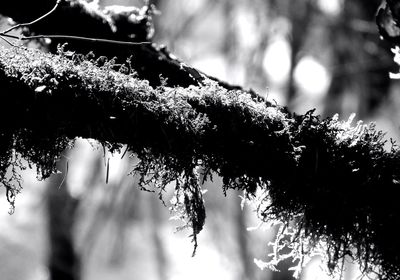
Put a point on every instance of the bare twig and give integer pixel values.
(7, 41)
(67, 37)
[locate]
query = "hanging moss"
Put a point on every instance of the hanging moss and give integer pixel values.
(333, 182)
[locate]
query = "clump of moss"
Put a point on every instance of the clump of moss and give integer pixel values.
(342, 194)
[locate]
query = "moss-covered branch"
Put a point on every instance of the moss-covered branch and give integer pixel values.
(335, 180)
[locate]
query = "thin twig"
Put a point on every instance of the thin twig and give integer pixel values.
(32, 22)
(7, 41)
(67, 37)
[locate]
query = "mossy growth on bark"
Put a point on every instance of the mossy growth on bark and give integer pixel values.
(333, 183)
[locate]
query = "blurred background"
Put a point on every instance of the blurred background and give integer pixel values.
(305, 54)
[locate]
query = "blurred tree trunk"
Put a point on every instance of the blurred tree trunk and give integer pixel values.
(245, 255)
(64, 264)
(344, 56)
(159, 250)
(355, 49)
(254, 69)
(300, 13)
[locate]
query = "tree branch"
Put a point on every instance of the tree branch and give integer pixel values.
(335, 180)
